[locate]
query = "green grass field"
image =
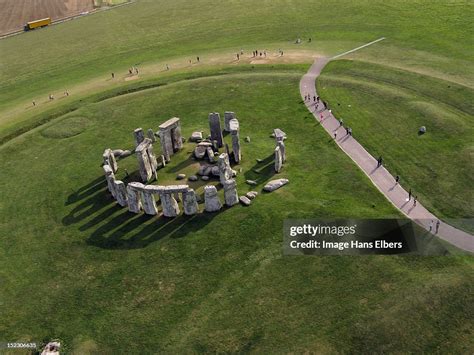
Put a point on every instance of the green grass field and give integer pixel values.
(76, 267)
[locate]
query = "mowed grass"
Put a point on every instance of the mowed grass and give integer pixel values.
(386, 107)
(54, 59)
(75, 266)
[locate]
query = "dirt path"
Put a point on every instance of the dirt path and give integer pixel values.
(380, 177)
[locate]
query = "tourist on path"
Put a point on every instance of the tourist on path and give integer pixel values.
(431, 225)
(409, 195)
(341, 122)
(397, 179)
(335, 135)
(414, 201)
(437, 226)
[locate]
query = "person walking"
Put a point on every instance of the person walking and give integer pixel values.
(34, 103)
(350, 131)
(238, 56)
(335, 135)
(431, 225)
(341, 122)
(167, 67)
(321, 118)
(397, 179)
(437, 226)
(414, 201)
(409, 194)
(113, 75)
(198, 59)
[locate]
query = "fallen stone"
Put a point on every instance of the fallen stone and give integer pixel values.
(251, 194)
(245, 200)
(250, 182)
(195, 136)
(247, 139)
(125, 153)
(205, 178)
(422, 129)
(215, 171)
(180, 176)
(259, 160)
(193, 178)
(275, 184)
(117, 152)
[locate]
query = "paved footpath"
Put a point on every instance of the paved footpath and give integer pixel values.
(380, 177)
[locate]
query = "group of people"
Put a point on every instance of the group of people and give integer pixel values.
(51, 97)
(256, 53)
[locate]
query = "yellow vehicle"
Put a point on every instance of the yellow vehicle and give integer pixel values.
(38, 23)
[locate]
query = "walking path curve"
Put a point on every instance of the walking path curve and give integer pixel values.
(380, 177)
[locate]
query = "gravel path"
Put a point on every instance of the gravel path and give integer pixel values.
(380, 177)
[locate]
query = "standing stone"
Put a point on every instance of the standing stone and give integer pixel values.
(215, 127)
(110, 178)
(163, 161)
(279, 134)
(278, 160)
(210, 154)
(146, 163)
(225, 172)
(170, 137)
(139, 136)
(234, 131)
(190, 204)
(227, 117)
(281, 145)
(109, 159)
(120, 193)
(169, 204)
(148, 200)
(133, 195)
(211, 199)
(152, 158)
(230, 192)
(151, 135)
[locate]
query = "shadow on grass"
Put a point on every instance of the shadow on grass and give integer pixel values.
(263, 171)
(184, 164)
(88, 206)
(138, 231)
(86, 190)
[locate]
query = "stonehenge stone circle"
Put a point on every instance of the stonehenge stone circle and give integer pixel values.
(215, 128)
(170, 137)
(211, 199)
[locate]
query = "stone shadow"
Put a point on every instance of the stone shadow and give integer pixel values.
(88, 206)
(135, 231)
(263, 171)
(86, 190)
